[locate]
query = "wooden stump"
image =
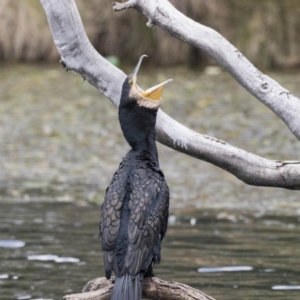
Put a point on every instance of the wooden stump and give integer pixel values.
(153, 288)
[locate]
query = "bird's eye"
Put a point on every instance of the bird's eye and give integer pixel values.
(130, 81)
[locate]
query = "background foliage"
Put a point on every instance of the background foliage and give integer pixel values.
(267, 31)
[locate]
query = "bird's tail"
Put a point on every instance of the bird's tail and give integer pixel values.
(127, 287)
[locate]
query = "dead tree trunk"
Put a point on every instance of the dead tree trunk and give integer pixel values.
(153, 288)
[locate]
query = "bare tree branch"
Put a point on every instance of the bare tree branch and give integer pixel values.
(273, 95)
(78, 54)
(153, 288)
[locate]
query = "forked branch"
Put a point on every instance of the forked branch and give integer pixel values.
(153, 288)
(163, 14)
(79, 55)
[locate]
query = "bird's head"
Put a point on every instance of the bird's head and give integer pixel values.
(150, 98)
(138, 111)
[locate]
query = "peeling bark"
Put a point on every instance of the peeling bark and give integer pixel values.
(79, 55)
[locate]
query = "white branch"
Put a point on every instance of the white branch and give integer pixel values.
(79, 55)
(162, 13)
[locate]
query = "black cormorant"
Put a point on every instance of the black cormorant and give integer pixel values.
(134, 214)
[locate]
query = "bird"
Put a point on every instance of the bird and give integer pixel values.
(134, 214)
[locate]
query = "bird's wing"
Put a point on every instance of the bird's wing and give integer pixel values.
(148, 206)
(111, 215)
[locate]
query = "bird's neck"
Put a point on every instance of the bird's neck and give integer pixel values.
(138, 126)
(145, 148)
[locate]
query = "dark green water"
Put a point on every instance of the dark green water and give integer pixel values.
(262, 253)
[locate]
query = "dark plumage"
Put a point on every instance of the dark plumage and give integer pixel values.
(134, 214)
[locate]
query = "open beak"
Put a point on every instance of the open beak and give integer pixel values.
(154, 93)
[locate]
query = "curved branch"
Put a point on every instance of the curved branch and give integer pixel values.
(79, 55)
(162, 13)
(153, 288)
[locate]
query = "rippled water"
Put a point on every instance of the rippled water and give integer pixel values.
(48, 250)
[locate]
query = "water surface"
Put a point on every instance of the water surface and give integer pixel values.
(228, 258)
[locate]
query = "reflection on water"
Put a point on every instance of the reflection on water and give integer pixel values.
(55, 258)
(286, 287)
(225, 269)
(11, 244)
(248, 257)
